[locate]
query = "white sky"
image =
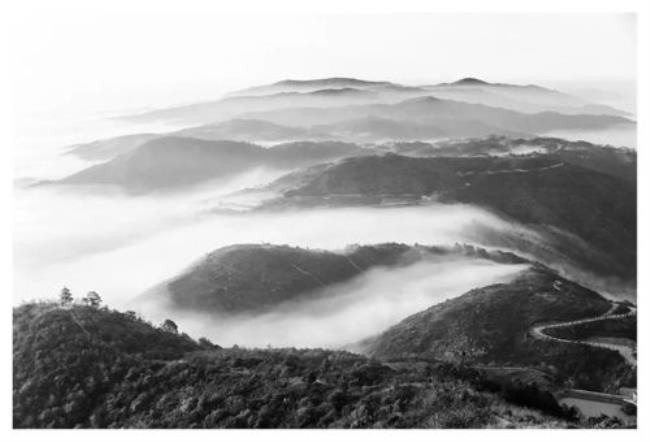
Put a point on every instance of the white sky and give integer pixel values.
(66, 57)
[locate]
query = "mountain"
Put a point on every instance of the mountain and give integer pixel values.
(471, 81)
(330, 92)
(172, 162)
(523, 98)
(107, 149)
(414, 120)
(454, 118)
(310, 86)
(618, 162)
(312, 152)
(541, 93)
(541, 191)
(338, 92)
(254, 278)
(252, 130)
(492, 325)
(376, 128)
(235, 130)
(317, 97)
(84, 367)
(614, 161)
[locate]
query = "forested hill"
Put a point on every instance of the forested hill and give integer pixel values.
(257, 277)
(539, 190)
(84, 367)
(491, 325)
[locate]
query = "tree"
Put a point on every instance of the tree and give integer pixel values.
(131, 315)
(169, 326)
(93, 299)
(206, 343)
(65, 298)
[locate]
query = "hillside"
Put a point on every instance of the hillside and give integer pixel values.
(455, 118)
(171, 162)
(247, 130)
(81, 367)
(539, 190)
(523, 98)
(255, 278)
(618, 162)
(491, 325)
(107, 149)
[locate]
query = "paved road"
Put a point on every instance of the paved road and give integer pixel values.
(625, 351)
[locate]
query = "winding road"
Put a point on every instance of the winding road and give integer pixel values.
(627, 352)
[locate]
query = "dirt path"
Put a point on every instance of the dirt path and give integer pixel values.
(624, 350)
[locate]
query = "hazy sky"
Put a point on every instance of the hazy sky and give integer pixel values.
(135, 59)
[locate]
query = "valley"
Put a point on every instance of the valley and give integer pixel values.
(332, 253)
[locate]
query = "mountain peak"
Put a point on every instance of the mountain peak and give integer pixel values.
(329, 81)
(470, 81)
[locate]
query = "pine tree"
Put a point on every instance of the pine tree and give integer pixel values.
(93, 299)
(65, 298)
(169, 326)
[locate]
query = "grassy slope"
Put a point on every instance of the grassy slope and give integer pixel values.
(491, 324)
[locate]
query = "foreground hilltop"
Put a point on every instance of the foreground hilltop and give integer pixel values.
(494, 326)
(84, 367)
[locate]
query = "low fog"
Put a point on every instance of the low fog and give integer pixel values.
(347, 313)
(121, 246)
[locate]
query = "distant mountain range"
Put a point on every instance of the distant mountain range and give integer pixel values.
(414, 119)
(174, 162)
(522, 98)
(359, 111)
(453, 118)
(339, 92)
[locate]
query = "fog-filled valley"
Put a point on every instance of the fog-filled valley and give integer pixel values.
(374, 217)
(159, 200)
(343, 313)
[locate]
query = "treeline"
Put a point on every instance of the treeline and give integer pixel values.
(87, 367)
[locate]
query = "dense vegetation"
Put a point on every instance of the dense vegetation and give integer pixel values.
(618, 162)
(88, 367)
(255, 277)
(624, 328)
(491, 326)
(540, 190)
